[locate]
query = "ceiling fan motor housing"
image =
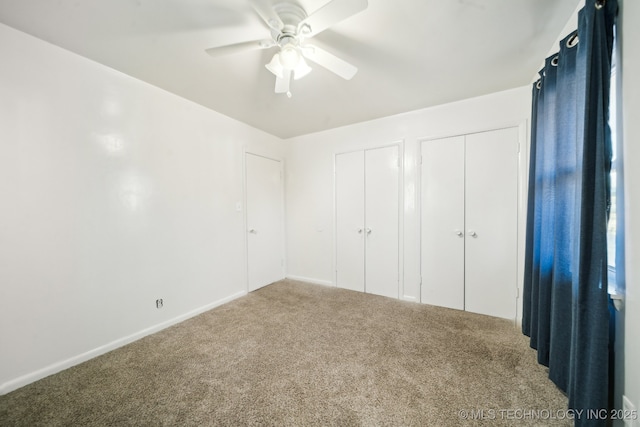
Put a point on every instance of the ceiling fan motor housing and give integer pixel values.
(291, 16)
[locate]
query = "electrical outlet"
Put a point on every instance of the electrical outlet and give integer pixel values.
(159, 303)
(629, 412)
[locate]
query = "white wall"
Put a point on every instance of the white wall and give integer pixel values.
(310, 185)
(631, 135)
(113, 193)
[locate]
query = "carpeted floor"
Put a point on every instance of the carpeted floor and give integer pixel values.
(299, 354)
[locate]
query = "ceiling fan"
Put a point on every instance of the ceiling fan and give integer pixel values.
(290, 26)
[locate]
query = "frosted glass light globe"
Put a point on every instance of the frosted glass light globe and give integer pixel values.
(289, 57)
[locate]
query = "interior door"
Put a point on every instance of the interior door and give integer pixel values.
(491, 222)
(350, 221)
(442, 238)
(265, 247)
(382, 221)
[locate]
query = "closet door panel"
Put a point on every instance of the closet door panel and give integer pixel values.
(265, 236)
(491, 222)
(442, 238)
(350, 233)
(382, 221)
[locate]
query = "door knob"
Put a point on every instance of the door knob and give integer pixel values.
(459, 233)
(253, 231)
(368, 231)
(360, 230)
(473, 233)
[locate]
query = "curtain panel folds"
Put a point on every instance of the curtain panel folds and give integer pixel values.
(565, 301)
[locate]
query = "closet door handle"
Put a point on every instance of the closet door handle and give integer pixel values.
(459, 233)
(473, 233)
(253, 231)
(368, 231)
(360, 230)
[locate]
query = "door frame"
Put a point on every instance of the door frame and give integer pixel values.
(401, 149)
(523, 178)
(245, 225)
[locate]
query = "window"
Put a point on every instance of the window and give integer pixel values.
(612, 226)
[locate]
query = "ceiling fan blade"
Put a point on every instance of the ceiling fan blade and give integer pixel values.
(265, 10)
(282, 84)
(332, 13)
(232, 49)
(329, 61)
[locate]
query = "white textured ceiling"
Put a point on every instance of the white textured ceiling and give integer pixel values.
(410, 54)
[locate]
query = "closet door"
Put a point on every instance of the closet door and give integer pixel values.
(491, 222)
(443, 227)
(469, 222)
(350, 233)
(382, 221)
(265, 247)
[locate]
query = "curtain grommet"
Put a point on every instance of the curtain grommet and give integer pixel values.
(555, 61)
(539, 84)
(600, 4)
(573, 40)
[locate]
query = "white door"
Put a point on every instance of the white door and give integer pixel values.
(469, 222)
(350, 221)
(443, 224)
(491, 222)
(265, 248)
(382, 221)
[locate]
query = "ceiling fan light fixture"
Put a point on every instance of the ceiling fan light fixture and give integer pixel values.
(275, 66)
(290, 26)
(289, 57)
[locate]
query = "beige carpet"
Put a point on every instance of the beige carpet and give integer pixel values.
(299, 354)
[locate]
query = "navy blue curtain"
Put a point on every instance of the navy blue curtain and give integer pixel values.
(565, 302)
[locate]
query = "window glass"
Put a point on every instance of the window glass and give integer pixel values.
(612, 226)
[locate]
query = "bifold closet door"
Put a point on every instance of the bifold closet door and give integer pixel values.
(443, 222)
(367, 221)
(382, 221)
(469, 203)
(491, 204)
(350, 233)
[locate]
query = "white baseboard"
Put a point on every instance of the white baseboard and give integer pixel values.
(311, 280)
(15, 384)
